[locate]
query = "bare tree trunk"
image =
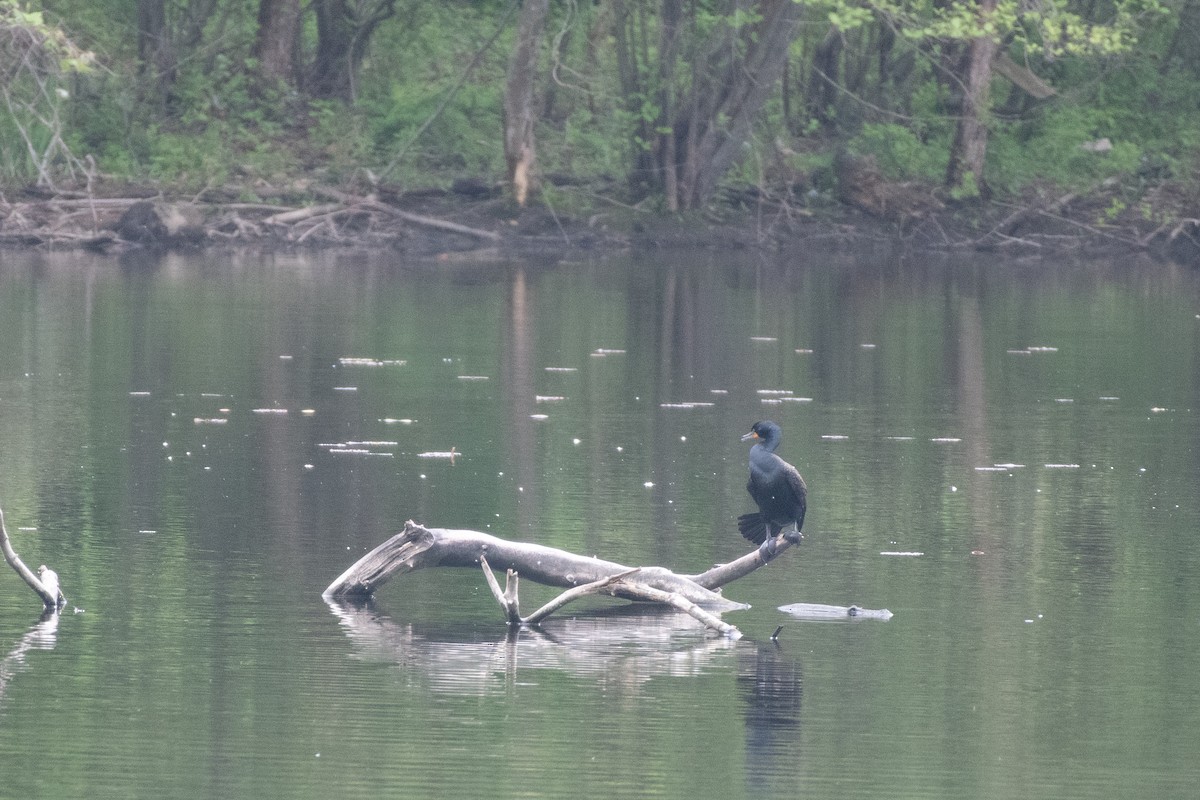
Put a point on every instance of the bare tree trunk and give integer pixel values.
(520, 153)
(968, 153)
(275, 41)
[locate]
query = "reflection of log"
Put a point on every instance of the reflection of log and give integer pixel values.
(42, 636)
(622, 647)
(417, 547)
(51, 596)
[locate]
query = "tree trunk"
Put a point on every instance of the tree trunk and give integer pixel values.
(725, 101)
(275, 41)
(822, 92)
(520, 153)
(155, 57)
(968, 153)
(634, 90)
(343, 32)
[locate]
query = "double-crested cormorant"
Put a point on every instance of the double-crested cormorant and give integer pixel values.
(777, 489)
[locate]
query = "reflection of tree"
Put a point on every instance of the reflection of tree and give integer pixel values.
(42, 636)
(770, 686)
(624, 647)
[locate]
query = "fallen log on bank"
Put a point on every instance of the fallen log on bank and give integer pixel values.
(45, 584)
(418, 547)
(157, 222)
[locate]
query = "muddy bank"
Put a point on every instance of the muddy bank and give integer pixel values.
(476, 220)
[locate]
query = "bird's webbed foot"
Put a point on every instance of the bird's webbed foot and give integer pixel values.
(768, 549)
(793, 535)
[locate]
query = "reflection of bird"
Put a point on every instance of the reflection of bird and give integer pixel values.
(777, 489)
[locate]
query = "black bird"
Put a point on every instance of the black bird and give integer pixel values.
(777, 489)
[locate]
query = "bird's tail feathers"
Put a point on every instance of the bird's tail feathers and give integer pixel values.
(753, 527)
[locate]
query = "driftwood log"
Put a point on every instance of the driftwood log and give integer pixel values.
(418, 547)
(45, 583)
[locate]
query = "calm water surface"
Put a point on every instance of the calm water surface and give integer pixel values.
(1003, 454)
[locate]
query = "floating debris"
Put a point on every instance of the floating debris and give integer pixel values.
(901, 438)
(355, 361)
(139, 394)
(285, 358)
(474, 378)
(834, 437)
(539, 417)
(1024, 351)
(345, 388)
(307, 412)
(451, 454)
(1042, 349)
(211, 395)
(562, 369)
(270, 410)
(903, 553)
(819, 611)
(601, 352)
(764, 338)
(804, 351)
(393, 421)
(209, 420)
(1064, 400)
(548, 398)
(1158, 410)
(867, 346)
(946, 439)
(1062, 466)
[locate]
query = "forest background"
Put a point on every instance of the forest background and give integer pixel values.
(980, 109)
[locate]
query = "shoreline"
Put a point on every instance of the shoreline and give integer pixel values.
(474, 220)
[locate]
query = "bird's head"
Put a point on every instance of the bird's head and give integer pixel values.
(762, 431)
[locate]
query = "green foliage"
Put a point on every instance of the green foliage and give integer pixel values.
(1051, 148)
(460, 138)
(37, 62)
(900, 153)
(429, 87)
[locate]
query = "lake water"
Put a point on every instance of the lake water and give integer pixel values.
(1004, 454)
